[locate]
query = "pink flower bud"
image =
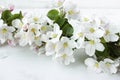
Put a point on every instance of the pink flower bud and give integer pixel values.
(11, 7)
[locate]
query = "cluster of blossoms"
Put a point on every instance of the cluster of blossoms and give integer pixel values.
(62, 32)
(103, 46)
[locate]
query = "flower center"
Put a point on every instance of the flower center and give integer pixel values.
(33, 30)
(85, 19)
(36, 38)
(65, 44)
(43, 28)
(96, 65)
(92, 42)
(92, 30)
(107, 64)
(54, 35)
(20, 24)
(80, 34)
(59, 3)
(70, 12)
(35, 19)
(107, 32)
(64, 56)
(4, 31)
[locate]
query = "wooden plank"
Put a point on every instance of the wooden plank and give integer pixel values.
(83, 4)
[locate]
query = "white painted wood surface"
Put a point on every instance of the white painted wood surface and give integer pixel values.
(89, 4)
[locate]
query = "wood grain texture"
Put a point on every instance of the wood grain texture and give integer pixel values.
(84, 4)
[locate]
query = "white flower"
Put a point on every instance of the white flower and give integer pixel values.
(50, 48)
(33, 30)
(6, 33)
(39, 49)
(1, 22)
(71, 10)
(30, 36)
(33, 17)
(92, 30)
(37, 40)
(78, 33)
(93, 65)
(58, 3)
(109, 66)
(12, 42)
(23, 38)
(54, 35)
(110, 33)
(64, 59)
(17, 23)
(85, 19)
(27, 38)
(65, 45)
(92, 45)
(45, 28)
(103, 21)
(44, 37)
(33, 33)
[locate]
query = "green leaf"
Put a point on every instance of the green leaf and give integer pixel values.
(53, 14)
(5, 15)
(114, 50)
(67, 30)
(60, 19)
(111, 51)
(15, 16)
(101, 55)
(102, 40)
(60, 22)
(8, 17)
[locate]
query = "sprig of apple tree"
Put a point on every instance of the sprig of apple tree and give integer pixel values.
(8, 17)
(59, 18)
(112, 50)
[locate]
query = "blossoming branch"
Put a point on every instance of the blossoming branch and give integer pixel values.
(62, 31)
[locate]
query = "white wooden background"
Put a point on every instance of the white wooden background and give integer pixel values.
(101, 4)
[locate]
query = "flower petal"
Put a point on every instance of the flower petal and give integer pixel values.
(100, 47)
(90, 50)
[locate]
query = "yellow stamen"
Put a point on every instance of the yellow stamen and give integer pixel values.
(33, 30)
(107, 64)
(80, 34)
(43, 28)
(65, 44)
(85, 19)
(20, 24)
(4, 31)
(92, 30)
(64, 56)
(70, 12)
(36, 38)
(96, 65)
(107, 32)
(35, 19)
(54, 35)
(59, 3)
(92, 42)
